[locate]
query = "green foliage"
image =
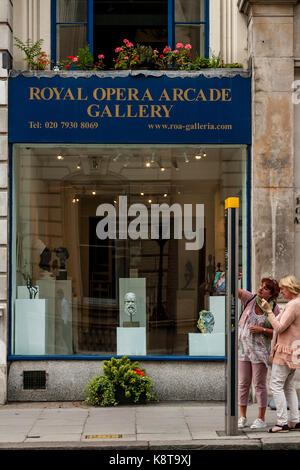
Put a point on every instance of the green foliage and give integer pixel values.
(234, 65)
(85, 59)
(201, 63)
(34, 56)
(215, 61)
(145, 55)
(123, 382)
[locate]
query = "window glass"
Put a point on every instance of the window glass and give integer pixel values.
(70, 38)
(191, 34)
(70, 11)
(112, 254)
(189, 10)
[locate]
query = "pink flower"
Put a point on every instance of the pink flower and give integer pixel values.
(166, 49)
(118, 49)
(125, 40)
(155, 51)
(75, 59)
(179, 45)
(126, 57)
(129, 44)
(176, 51)
(188, 46)
(100, 56)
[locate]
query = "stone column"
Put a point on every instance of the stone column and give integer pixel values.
(5, 51)
(271, 50)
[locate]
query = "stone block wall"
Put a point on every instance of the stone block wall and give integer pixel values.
(5, 49)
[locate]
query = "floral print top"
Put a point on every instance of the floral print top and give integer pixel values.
(252, 346)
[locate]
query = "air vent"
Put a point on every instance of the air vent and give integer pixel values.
(34, 379)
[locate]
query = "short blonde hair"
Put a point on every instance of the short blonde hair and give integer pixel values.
(291, 283)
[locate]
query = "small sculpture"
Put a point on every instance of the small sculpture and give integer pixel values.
(33, 290)
(206, 321)
(130, 309)
(63, 254)
(45, 258)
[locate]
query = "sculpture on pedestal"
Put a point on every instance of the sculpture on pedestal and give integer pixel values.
(130, 309)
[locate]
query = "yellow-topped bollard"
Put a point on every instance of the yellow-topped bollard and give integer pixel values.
(232, 203)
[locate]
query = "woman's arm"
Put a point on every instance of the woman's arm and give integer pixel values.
(286, 318)
(261, 330)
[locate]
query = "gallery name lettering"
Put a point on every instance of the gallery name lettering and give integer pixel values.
(130, 102)
(154, 225)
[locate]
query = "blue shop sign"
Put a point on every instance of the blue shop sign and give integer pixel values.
(131, 109)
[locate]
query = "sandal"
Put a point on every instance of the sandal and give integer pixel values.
(296, 428)
(283, 428)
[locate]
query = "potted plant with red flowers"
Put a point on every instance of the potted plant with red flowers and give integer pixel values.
(127, 57)
(182, 56)
(83, 61)
(35, 57)
(123, 382)
(164, 59)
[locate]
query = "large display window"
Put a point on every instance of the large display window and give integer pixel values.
(119, 249)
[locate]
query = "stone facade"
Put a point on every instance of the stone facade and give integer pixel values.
(271, 55)
(264, 35)
(5, 52)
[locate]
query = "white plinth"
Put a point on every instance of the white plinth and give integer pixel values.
(30, 326)
(131, 341)
(217, 308)
(206, 344)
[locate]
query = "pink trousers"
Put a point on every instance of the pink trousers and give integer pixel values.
(248, 371)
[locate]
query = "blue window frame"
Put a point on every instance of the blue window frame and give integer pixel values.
(184, 25)
(79, 23)
(197, 20)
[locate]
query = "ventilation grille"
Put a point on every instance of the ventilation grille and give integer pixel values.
(34, 379)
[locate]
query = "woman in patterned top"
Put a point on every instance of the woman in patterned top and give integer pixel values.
(254, 344)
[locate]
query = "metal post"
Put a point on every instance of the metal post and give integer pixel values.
(232, 263)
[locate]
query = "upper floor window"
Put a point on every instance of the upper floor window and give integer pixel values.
(104, 24)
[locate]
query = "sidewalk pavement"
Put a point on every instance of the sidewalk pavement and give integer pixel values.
(163, 426)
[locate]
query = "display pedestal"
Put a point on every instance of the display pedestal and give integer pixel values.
(47, 291)
(59, 335)
(31, 326)
(206, 344)
(217, 308)
(131, 341)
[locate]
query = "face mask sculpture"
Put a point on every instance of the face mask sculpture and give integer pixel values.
(206, 322)
(130, 308)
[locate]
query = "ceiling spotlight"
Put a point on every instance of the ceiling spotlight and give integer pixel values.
(162, 168)
(198, 157)
(204, 154)
(149, 200)
(165, 195)
(142, 194)
(148, 164)
(60, 157)
(73, 200)
(94, 193)
(186, 158)
(78, 166)
(77, 199)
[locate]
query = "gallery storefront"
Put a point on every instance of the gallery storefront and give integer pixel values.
(117, 221)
